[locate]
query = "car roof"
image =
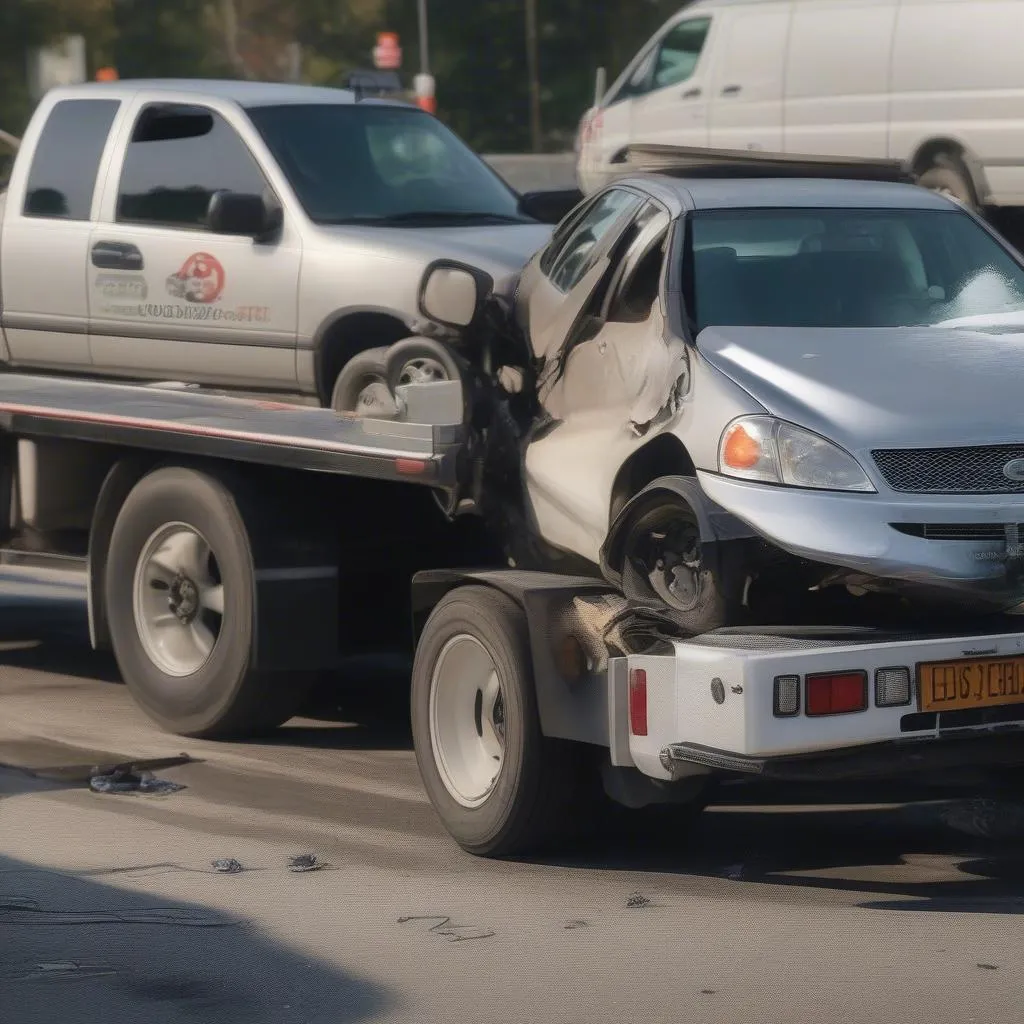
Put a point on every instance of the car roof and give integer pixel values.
(754, 193)
(245, 94)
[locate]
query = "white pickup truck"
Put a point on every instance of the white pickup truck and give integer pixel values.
(238, 234)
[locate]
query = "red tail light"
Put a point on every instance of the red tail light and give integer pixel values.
(837, 693)
(638, 701)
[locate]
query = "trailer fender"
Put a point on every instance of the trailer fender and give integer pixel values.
(717, 526)
(572, 698)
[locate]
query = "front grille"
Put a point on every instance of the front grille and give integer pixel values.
(955, 531)
(975, 470)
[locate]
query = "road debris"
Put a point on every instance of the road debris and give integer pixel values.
(306, 862)
(226, 866)
(575, 924)
(988, 967)
(637, 899)
(136, 776)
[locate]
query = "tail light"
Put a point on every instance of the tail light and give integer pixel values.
(638, 701)
(837, 693)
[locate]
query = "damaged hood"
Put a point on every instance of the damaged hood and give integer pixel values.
(862, 388)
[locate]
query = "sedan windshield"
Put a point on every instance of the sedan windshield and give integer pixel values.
(849, 268)
(373, 164)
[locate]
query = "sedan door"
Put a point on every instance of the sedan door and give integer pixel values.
(170, 299)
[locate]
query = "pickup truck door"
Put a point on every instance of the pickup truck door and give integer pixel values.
(45, 238)
(168, 298)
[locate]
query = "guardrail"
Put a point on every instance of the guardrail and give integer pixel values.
(525, 171)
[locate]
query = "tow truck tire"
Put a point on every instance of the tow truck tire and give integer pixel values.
(475, 648)
(180, 548)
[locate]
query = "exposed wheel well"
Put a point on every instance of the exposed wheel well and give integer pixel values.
(664, 456)
(349, 335)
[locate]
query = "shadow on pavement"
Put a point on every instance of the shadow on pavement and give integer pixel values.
(76, 950)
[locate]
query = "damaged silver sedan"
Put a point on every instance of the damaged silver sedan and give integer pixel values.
(753, 389)
(736, 399)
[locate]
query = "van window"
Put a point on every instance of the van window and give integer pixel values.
(671, 61)
(844, 268)
(679, 52)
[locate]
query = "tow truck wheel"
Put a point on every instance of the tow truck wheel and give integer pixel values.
(420, 361)
(499, 786)
(362, 386)
(179, 590)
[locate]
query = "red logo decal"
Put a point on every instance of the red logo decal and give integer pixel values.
(200, 279)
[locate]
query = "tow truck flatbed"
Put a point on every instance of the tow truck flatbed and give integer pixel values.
(232, 548)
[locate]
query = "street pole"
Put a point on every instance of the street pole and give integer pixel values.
(421, 8)
(533, 74)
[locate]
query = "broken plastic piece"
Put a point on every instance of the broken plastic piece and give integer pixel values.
(127, 781)
(227, 866)
(305, 862)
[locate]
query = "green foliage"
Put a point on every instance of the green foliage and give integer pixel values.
(477, 49)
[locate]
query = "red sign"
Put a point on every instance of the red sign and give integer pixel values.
(387, 54)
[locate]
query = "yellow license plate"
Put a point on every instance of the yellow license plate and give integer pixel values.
(977, 683)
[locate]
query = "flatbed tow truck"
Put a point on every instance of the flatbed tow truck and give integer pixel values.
(232, 548)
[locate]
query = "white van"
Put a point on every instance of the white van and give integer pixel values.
(936, 83)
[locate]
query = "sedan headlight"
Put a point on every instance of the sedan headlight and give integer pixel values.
(769, 450)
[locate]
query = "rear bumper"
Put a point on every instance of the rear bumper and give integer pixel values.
(893, 759)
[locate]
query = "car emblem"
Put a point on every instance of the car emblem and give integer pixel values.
(1014, 470)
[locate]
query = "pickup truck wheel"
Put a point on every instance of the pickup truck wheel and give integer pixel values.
(362, 386)
(180, 592)
(420, 361)
(664, 565)
(499, 786)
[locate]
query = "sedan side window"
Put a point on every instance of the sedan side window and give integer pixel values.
(576, 256)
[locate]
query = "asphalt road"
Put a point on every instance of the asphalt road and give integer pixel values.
(776, 907)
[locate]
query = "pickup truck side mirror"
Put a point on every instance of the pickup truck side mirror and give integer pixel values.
(452, 293)
(550, 205)
(240, 213)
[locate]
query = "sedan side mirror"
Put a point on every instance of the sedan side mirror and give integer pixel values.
(550, 205)
(452, 293)
(241, 213)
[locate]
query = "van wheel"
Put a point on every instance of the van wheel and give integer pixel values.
(498, 784)
(948, 176)
(180, 593)
(421, 361)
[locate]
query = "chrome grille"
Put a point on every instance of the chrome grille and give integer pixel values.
(976, 470)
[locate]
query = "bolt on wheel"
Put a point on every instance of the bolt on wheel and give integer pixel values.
(467, 720)
(178, 599)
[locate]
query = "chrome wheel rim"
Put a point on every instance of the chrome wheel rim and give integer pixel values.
(467, 720)
(178, 599)
(423, 370)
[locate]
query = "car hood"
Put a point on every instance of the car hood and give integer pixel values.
(880, 387)
(499, 249)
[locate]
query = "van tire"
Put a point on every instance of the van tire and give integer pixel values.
(948, 175)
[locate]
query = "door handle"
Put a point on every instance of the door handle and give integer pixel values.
(730, 90)
(117, 256)
(691, 94)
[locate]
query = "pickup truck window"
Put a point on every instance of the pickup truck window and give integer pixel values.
(177, 158)
(62, 178)
(375, 164)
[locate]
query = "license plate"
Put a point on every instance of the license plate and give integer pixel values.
(977, 683)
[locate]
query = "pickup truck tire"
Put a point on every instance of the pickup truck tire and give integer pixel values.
(421, 361)
(180, 593)
(362, 385)
(499, 785)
